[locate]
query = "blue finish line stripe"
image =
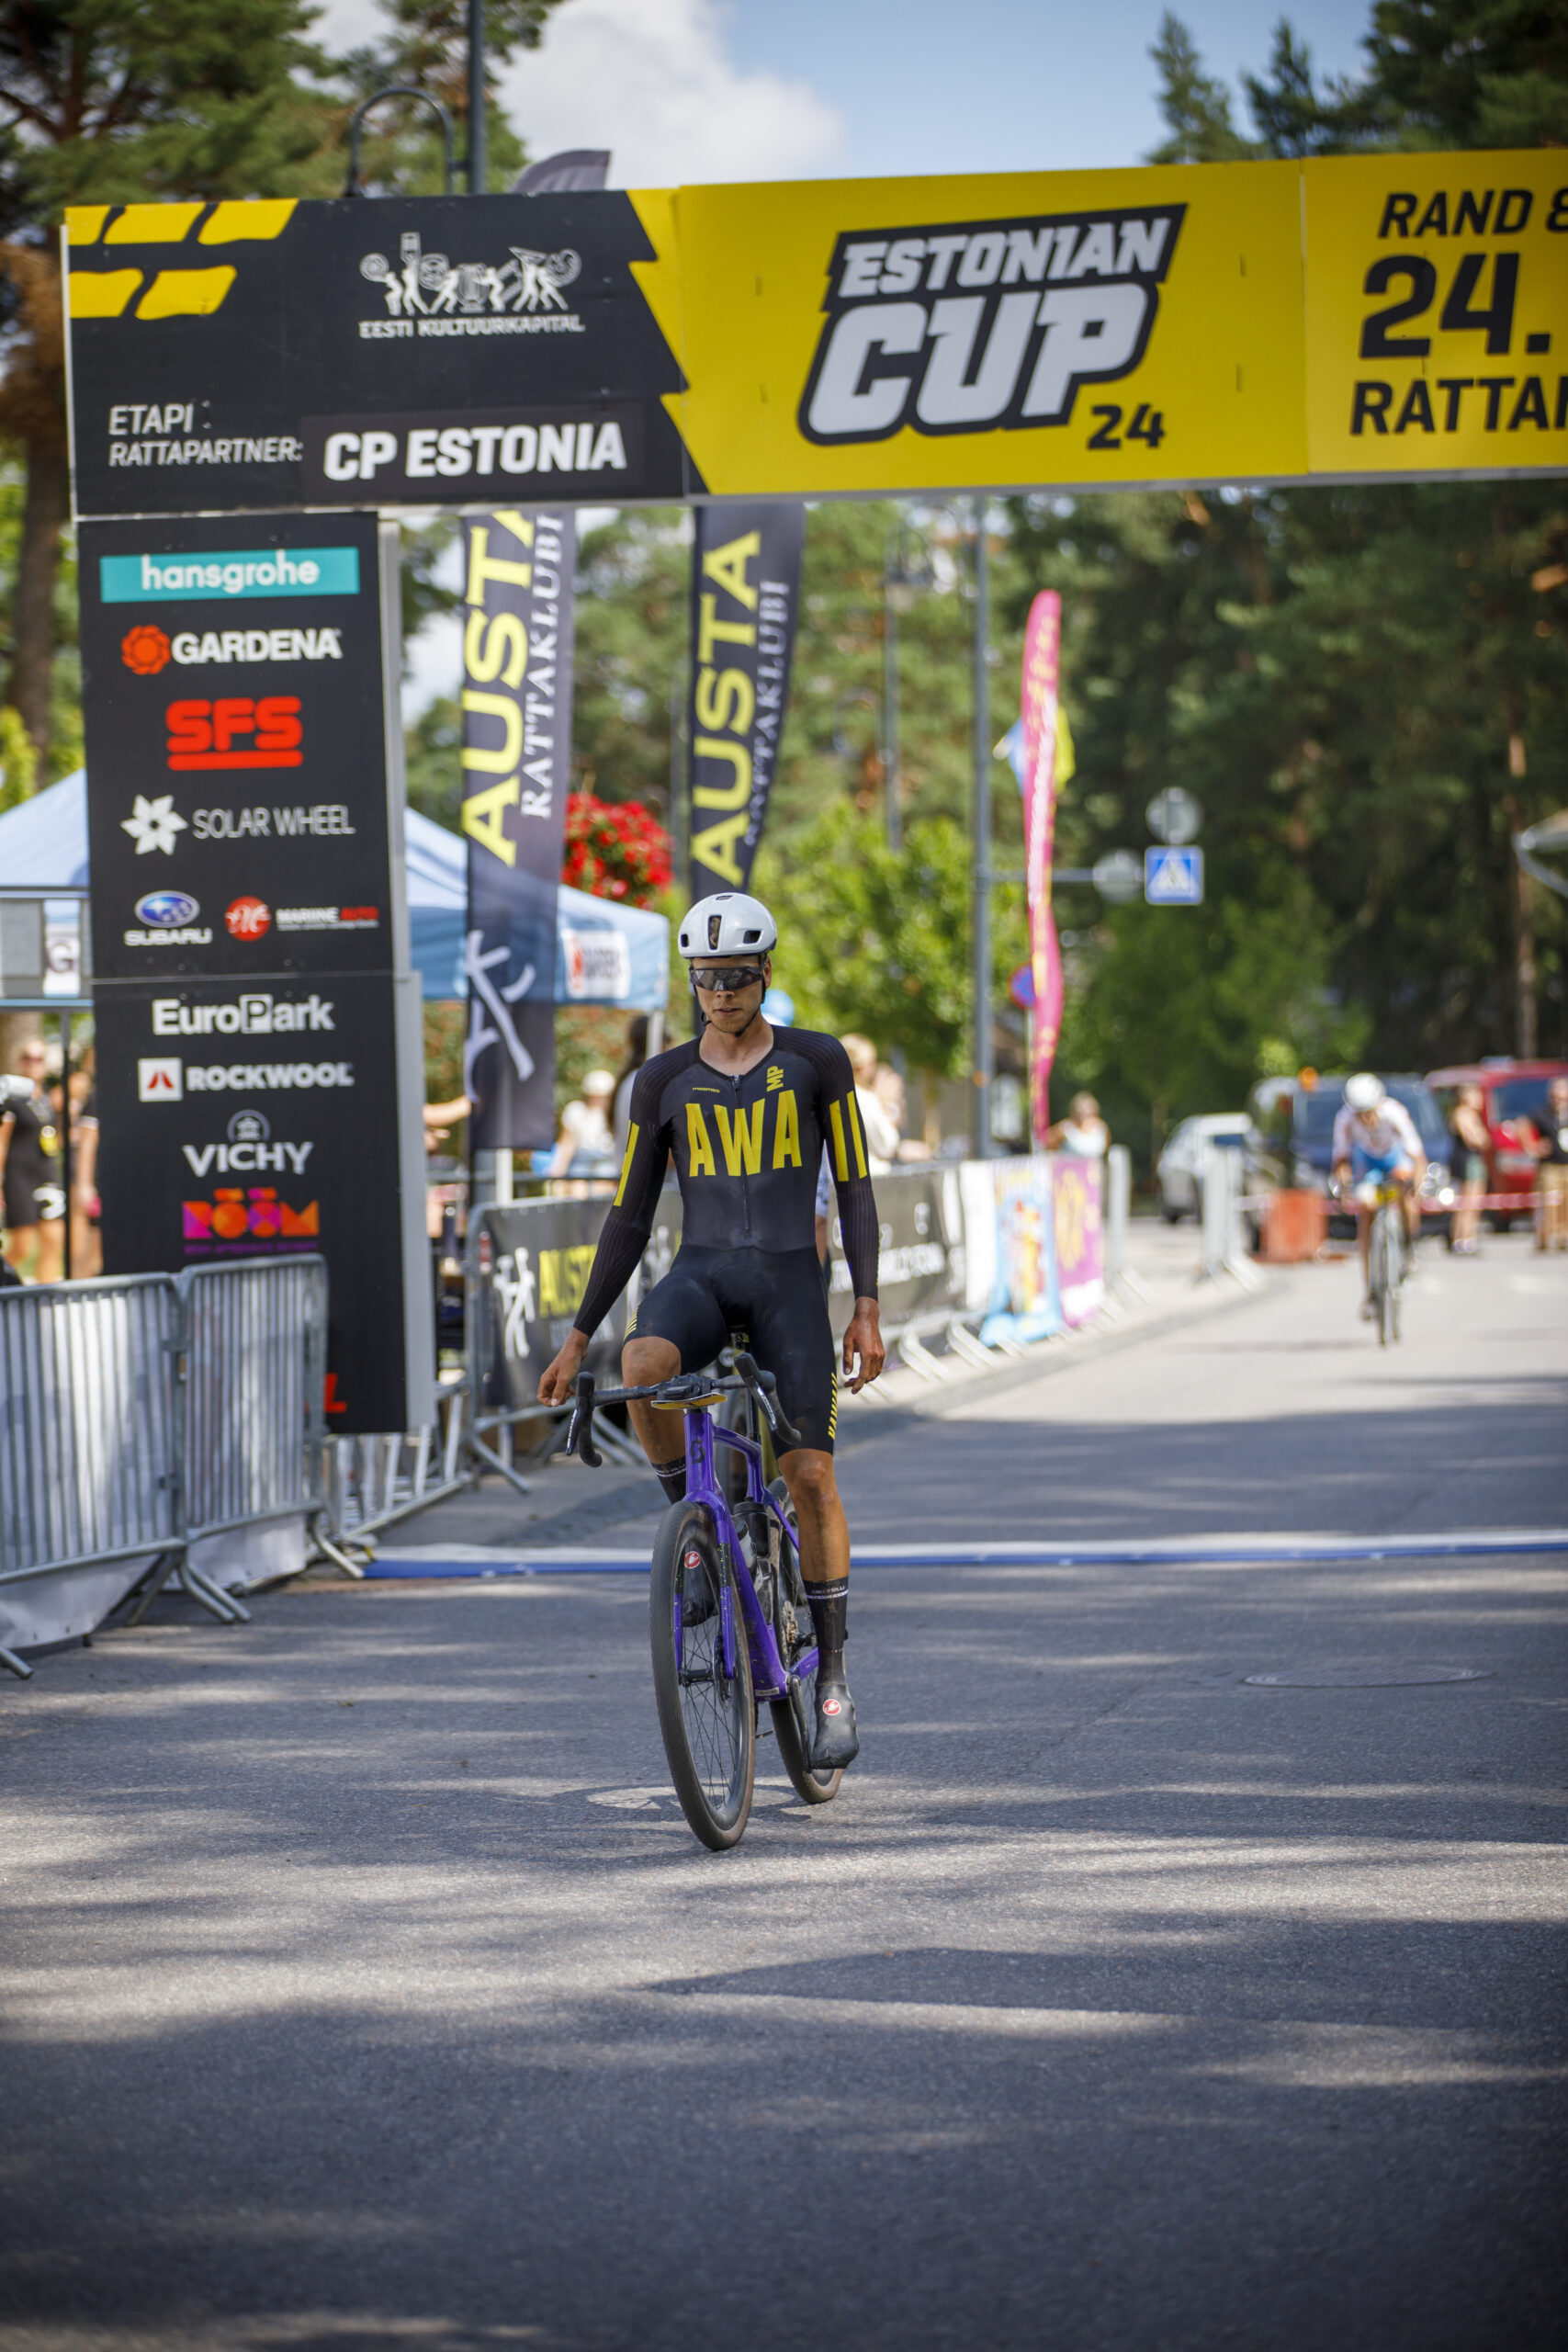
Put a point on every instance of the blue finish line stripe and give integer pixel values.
(1259, 1551)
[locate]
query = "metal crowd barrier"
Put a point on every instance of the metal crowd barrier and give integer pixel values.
(144, 1416)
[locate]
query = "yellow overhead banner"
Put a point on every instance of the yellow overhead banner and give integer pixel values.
(1074, 327)
(1436, 312)
(1373, 315)
(1384, 316)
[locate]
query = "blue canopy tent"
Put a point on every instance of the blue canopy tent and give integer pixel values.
(605, 954)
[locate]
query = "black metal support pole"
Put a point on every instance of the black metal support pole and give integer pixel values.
(476, 97)
(890, 702)
(65, 1161)
(980, 977)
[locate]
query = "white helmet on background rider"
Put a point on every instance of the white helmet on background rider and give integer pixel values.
(1364, 1091)
(728, 924)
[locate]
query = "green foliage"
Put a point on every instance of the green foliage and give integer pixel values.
(1196, 108)
(634, 577)
(877, 940)
(18, 761)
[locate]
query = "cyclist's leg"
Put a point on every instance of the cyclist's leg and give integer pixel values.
(679, 1327)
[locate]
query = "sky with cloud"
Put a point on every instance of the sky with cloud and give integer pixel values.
(683, 90)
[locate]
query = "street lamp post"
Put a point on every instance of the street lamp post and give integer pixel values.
(476, 97)
(980, 974)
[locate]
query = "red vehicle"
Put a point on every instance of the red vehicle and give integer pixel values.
(1514, 1103)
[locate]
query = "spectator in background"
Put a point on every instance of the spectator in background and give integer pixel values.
(87, 1241)
(32, 1175)
(626, 1077)
(1552, 1151)
(890, 1092)
(1083, 1132)
(1468, 1125)
(586, 1145)
(881, 1135)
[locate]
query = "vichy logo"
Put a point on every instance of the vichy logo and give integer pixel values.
(249, 1149)
(171, 916)
(966, 327)
(147, 649)
(427, 294)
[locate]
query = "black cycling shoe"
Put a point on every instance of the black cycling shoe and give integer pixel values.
(697, 1601)
(835, 1744)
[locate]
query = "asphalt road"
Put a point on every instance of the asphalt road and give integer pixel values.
(364, 1988)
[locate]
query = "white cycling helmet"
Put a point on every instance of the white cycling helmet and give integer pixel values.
(1364, 1093)
(728, 924)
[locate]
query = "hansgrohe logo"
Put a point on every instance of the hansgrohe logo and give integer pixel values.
(250, 572)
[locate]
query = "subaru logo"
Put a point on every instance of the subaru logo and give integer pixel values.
(167, 910)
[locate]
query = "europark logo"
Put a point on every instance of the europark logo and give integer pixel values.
(147, 650)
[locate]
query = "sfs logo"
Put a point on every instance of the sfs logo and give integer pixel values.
(964, 328)
(236, 732)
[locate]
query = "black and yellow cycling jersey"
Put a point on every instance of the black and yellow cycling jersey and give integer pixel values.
(746, 1151)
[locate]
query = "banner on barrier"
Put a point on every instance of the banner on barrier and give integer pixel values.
(1024, 1302)
(788, 340)
(1078, 1202)
(921, 1263)
(745, 591)
(541, 1254)
(517, 670)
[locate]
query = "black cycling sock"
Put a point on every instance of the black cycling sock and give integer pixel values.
(672, 1476)
(829, 1604)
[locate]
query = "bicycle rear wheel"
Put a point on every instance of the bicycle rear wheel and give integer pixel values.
(707, 1718)
(794, 1718)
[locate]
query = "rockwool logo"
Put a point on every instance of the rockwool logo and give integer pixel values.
(968, 326)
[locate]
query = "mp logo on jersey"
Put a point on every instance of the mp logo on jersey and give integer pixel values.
(966, 327)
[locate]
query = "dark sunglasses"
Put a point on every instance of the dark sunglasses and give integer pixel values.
(727, 978)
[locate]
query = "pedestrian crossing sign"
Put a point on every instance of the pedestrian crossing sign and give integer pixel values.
(1173, 877)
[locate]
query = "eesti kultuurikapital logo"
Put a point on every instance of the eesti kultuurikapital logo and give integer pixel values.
(967, 326)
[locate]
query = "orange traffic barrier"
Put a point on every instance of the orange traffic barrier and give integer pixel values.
(1292, 1226)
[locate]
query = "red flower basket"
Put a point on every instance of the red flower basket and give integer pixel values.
(614, 849)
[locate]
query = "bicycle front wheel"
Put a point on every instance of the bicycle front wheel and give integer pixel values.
(1381, 1269)
(706, 1717)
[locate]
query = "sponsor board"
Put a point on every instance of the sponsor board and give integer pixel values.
(1261, 321)
(254, 356)
(263, 1122)
(246, 766)
(168, 919)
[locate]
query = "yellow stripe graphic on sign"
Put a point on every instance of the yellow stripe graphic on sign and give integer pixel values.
(185, 293)
(151, 224)
(85, 222)
(102, 293)
(626, 1166)
(263, 217)
(841, 1161)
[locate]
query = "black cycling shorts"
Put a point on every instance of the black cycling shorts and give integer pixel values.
(778, 1298)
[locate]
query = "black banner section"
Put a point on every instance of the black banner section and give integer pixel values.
(745, 591)
(540, 1255)
(255, 1121)
(922, 1266)
(436, 350)
(517, 649)
(234, 703)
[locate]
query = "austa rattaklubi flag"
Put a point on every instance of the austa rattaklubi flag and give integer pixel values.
(517, 661)
(1047, 765)
(745, 591)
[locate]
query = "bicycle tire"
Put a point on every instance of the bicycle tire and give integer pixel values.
(1382, 1276)
(710, 1746)
(794, 1718)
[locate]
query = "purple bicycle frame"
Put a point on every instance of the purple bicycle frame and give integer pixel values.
(771, 1679)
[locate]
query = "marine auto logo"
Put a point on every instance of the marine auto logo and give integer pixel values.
(970, 326)
(170, 921)
(428, 295)
(248, 918)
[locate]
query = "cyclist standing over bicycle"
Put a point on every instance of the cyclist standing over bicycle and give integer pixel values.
(745, 1111)
(1375, 1141)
